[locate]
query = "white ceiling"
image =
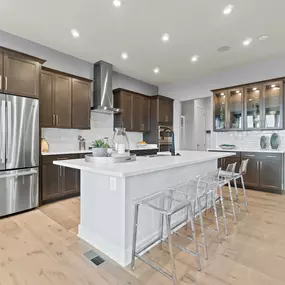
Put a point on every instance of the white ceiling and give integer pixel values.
(195, 27)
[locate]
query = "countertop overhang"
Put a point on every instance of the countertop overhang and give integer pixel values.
(248, 150)
(144, 165)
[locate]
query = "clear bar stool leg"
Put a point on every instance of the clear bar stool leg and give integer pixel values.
(223, 209)
(232, 202)
(216, 215)
(161, 224)
(195, 238)
(237, 198)
(244, 193)
(168, 226)
(202, 227)
(135, 230)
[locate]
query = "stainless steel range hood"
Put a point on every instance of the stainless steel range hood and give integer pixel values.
(103, 92)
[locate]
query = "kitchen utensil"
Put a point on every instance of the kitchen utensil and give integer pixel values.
(227, 146)
(264, 142)
(275, 141)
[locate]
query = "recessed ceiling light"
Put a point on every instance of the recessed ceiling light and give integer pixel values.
(222, 94)
(273, 85)
(237, 91)
(117, 3)
(165, 38)
(194, 58)
(124, 55)
(254, 88)
(263, 37)
(250, 99)
(247, 41)
(75, 33)
(156, 70)
(228, 9)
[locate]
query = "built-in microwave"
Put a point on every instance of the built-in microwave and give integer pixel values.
(164, 137)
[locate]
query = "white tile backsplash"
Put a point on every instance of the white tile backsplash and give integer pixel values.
(101, 126)
(247, 139)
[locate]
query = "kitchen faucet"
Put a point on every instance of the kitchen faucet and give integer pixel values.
(172, 141)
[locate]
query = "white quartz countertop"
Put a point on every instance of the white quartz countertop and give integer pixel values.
(66, 152)
(143, 164)
(59, 152)
(248, 150)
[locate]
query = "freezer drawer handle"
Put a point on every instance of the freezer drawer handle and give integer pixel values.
(3, 123)
(18, 174)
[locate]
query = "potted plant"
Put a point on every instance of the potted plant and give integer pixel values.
(100, 148)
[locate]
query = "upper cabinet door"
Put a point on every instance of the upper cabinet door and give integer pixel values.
(253, 103)
(126, 103)
(1, 72)
(145, 123)
(220, 110)
(21, 75)
(47, 117)
(235, 109)
(80, 104)
(137, 112)
(273, 105)
(62, 101)
(165, 107)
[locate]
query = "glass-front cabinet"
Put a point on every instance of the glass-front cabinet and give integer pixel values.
(235, 109)
(253, 107)
(273, 105)
(220, 110)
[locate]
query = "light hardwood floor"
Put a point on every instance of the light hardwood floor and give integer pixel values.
(40, 247)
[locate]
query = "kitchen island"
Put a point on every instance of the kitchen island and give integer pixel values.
(109, 190)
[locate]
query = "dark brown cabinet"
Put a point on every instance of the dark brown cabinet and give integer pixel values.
(19, 73)
(80, 116)
(256, 106)
(165, 110)
(264, 170)
(65, 101)
(58, 182)
(135, 116)
(62, 101)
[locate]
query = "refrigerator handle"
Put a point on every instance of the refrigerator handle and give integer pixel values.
(3, 130)
(9, 128)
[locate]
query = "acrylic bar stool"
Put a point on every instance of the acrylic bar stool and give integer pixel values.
(213, 178)
(166, 203)
(239, 175)
(204, 199)
(225, 178)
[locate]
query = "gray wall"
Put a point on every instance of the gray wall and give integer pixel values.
(122, 81)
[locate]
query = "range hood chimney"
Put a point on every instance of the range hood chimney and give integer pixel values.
(103, 92)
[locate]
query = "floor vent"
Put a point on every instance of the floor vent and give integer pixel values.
(94, 257)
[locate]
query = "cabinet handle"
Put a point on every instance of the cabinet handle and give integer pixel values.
(166, 118)
(249, 155)
(62, 158)
(0, 81)
(271, 156)
(6, 83)
(56, 120)
(260, 164)
(53, 119)
(61, 171)
(257, 166)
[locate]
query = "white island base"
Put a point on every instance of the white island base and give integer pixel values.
(108, 193)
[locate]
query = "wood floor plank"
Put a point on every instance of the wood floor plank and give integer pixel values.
(41, 247)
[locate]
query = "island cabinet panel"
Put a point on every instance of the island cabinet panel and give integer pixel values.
(80, 104)
(135, 115)
(251, 178)
(65, 101)
(58, 182)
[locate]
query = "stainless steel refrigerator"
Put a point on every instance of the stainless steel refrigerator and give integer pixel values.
(19, 153)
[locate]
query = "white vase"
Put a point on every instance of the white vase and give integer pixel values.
(99, 152)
